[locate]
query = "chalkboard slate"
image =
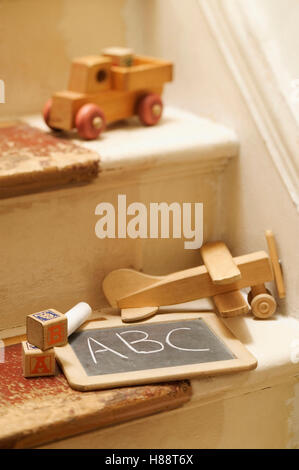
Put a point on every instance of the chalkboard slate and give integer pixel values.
(109, 353)
(147, 346)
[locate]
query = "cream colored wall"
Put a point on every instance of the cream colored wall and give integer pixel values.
(256, 198)
(275, 26)
(38, 39)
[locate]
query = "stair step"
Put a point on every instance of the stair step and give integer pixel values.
(180, 138)
(52, 256)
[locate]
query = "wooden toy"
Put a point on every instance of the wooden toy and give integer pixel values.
(220, 263)
(100, 92)
(46, 329)
(276, 264)
(139, 295)
(121, 56)
(51, 328)
(105, 354)
(36, 362)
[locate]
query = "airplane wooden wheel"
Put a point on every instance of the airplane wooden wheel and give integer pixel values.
(263, 305)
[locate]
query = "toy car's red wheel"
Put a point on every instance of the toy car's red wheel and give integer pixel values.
(46, 114)
(150, 109)
(90, 121)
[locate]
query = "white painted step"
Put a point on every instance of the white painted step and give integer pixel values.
(180, 138)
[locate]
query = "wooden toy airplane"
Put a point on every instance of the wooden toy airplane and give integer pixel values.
(221, 277)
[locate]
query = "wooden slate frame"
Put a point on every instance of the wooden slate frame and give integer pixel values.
(79, 380)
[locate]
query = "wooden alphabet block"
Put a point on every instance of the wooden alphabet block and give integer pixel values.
(47, 329)
(37, 363)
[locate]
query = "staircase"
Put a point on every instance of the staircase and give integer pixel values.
(52, 255)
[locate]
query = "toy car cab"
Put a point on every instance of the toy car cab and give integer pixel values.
(108, 88)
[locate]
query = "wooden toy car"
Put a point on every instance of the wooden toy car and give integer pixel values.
(221, 277)
(108, 88)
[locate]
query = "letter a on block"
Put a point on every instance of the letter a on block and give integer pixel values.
(36, 362)
(39, 365)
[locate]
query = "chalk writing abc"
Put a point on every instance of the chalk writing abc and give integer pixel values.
(186, 220)
(157, 346)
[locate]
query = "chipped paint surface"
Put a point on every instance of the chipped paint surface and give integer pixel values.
(34, 157)
(39, 410)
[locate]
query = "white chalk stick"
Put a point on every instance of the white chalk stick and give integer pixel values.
(76, 316)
